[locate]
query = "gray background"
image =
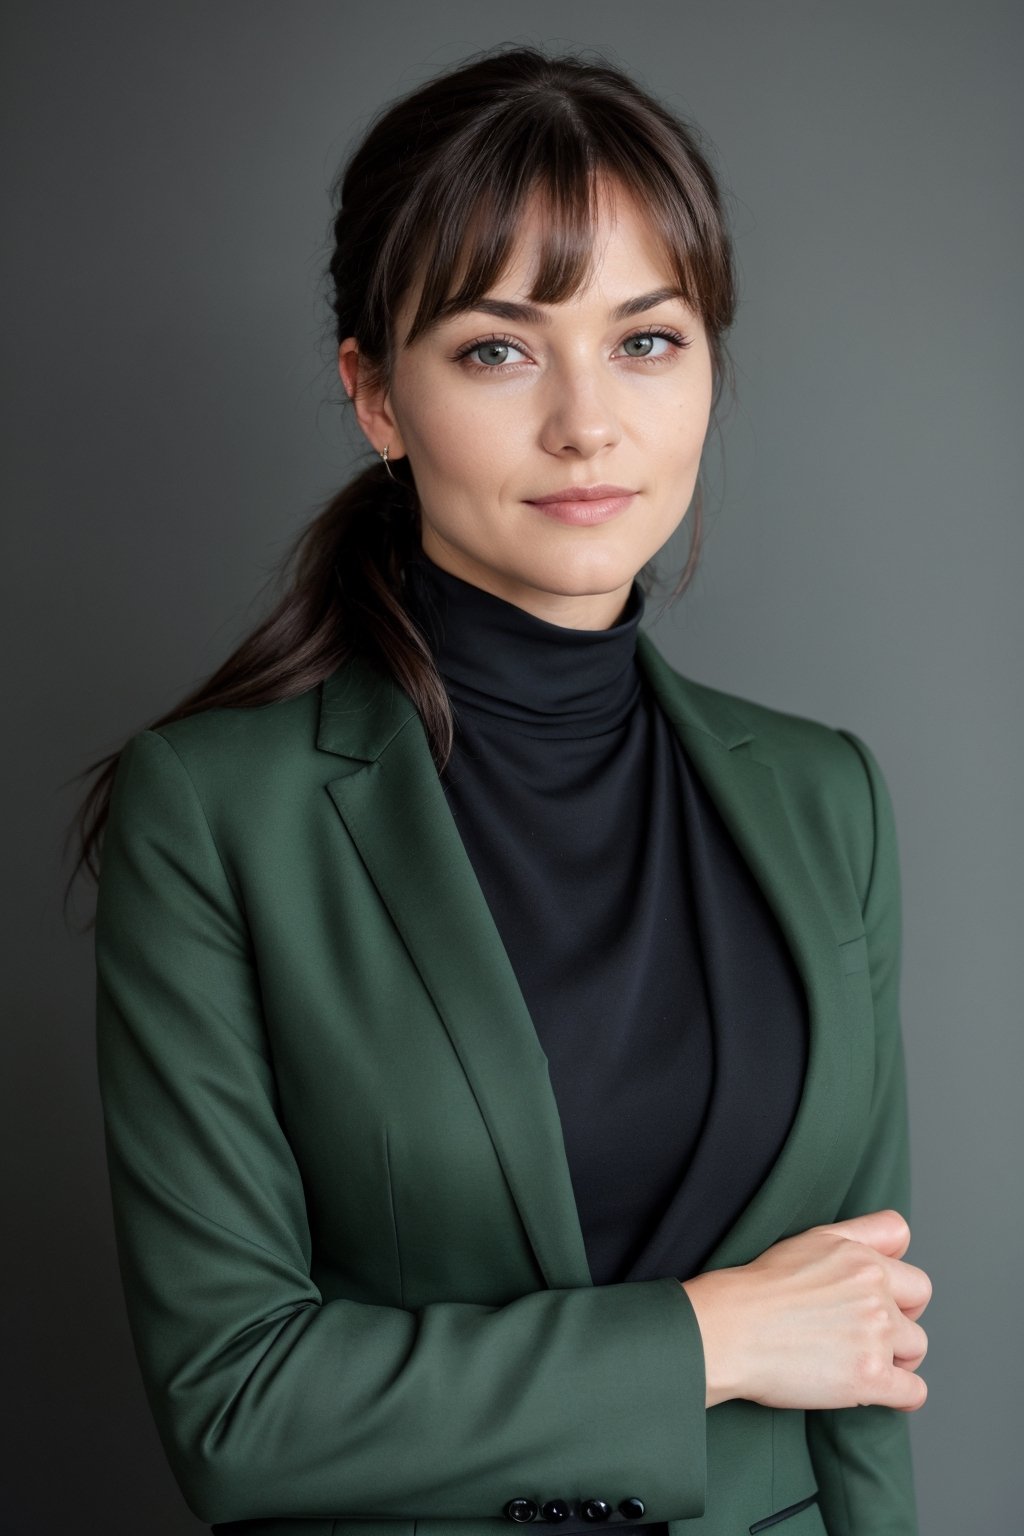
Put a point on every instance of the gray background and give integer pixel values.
(173, 418)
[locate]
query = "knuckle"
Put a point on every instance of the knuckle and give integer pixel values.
(871, 1274)
(869, 1370)
(877, 1319)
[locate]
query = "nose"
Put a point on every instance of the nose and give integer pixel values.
(580, 416)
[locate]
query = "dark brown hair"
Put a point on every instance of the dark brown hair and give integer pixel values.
(436, 188)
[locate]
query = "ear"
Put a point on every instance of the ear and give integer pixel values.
(372, 406)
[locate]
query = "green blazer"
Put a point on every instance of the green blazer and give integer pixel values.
(351, 1256)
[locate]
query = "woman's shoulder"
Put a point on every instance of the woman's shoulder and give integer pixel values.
(252, 759)
(242, 764)
(827, 774)
(230, 739)
(803, 743)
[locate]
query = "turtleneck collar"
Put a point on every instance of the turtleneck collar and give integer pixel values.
(499, 660)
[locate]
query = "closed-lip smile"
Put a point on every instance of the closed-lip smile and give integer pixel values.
(583, 493)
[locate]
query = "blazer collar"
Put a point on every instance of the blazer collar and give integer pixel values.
(362, 708)
(392, 802)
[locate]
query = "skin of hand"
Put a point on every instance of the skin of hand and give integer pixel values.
(824, 1319)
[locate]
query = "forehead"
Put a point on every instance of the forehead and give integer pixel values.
(623, 254)
(611, 256)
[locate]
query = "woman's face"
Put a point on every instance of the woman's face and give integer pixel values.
(495, 411)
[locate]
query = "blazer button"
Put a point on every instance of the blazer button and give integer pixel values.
(520, 1510)
(632, 1508)
(595, 1509)
(555, 1509)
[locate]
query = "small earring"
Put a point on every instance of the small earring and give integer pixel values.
(384, 455)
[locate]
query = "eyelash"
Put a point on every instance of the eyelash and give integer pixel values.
(680, 343)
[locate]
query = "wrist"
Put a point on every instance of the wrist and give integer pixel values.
(716, 1305)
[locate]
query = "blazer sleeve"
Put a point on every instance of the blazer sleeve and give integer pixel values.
(862, 1456)
(270, 1400)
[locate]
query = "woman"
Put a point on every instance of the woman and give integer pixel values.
(498, 1031)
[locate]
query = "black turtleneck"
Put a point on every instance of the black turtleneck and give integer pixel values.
(662, 990)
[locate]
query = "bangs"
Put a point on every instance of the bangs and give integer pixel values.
(472, 209)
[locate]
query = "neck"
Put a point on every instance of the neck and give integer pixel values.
(500, 661)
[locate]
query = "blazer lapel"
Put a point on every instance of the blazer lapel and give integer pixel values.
(394, 807)
(745, 789)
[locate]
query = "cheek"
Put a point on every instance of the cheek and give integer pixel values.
(671, 441)
(462, 447)
(691, 426)
(692, 438)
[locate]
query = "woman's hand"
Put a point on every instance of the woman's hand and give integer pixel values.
(825, 1319)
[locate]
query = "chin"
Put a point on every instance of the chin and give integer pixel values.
(574, 579)
(586, 572)
(569, 570)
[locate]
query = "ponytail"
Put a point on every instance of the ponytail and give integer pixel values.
(343, 579)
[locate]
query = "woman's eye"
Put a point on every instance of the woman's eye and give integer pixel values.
(647, 337)
(494, 351)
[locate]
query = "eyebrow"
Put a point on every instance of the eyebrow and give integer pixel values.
(532, 314)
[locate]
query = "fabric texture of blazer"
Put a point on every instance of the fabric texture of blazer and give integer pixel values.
(350, 1252)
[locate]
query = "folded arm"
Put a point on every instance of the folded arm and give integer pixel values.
(269, 1400)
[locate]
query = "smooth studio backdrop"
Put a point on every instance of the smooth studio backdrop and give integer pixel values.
(172, 417)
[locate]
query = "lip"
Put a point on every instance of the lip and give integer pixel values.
(582, 493)
(584, 504)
